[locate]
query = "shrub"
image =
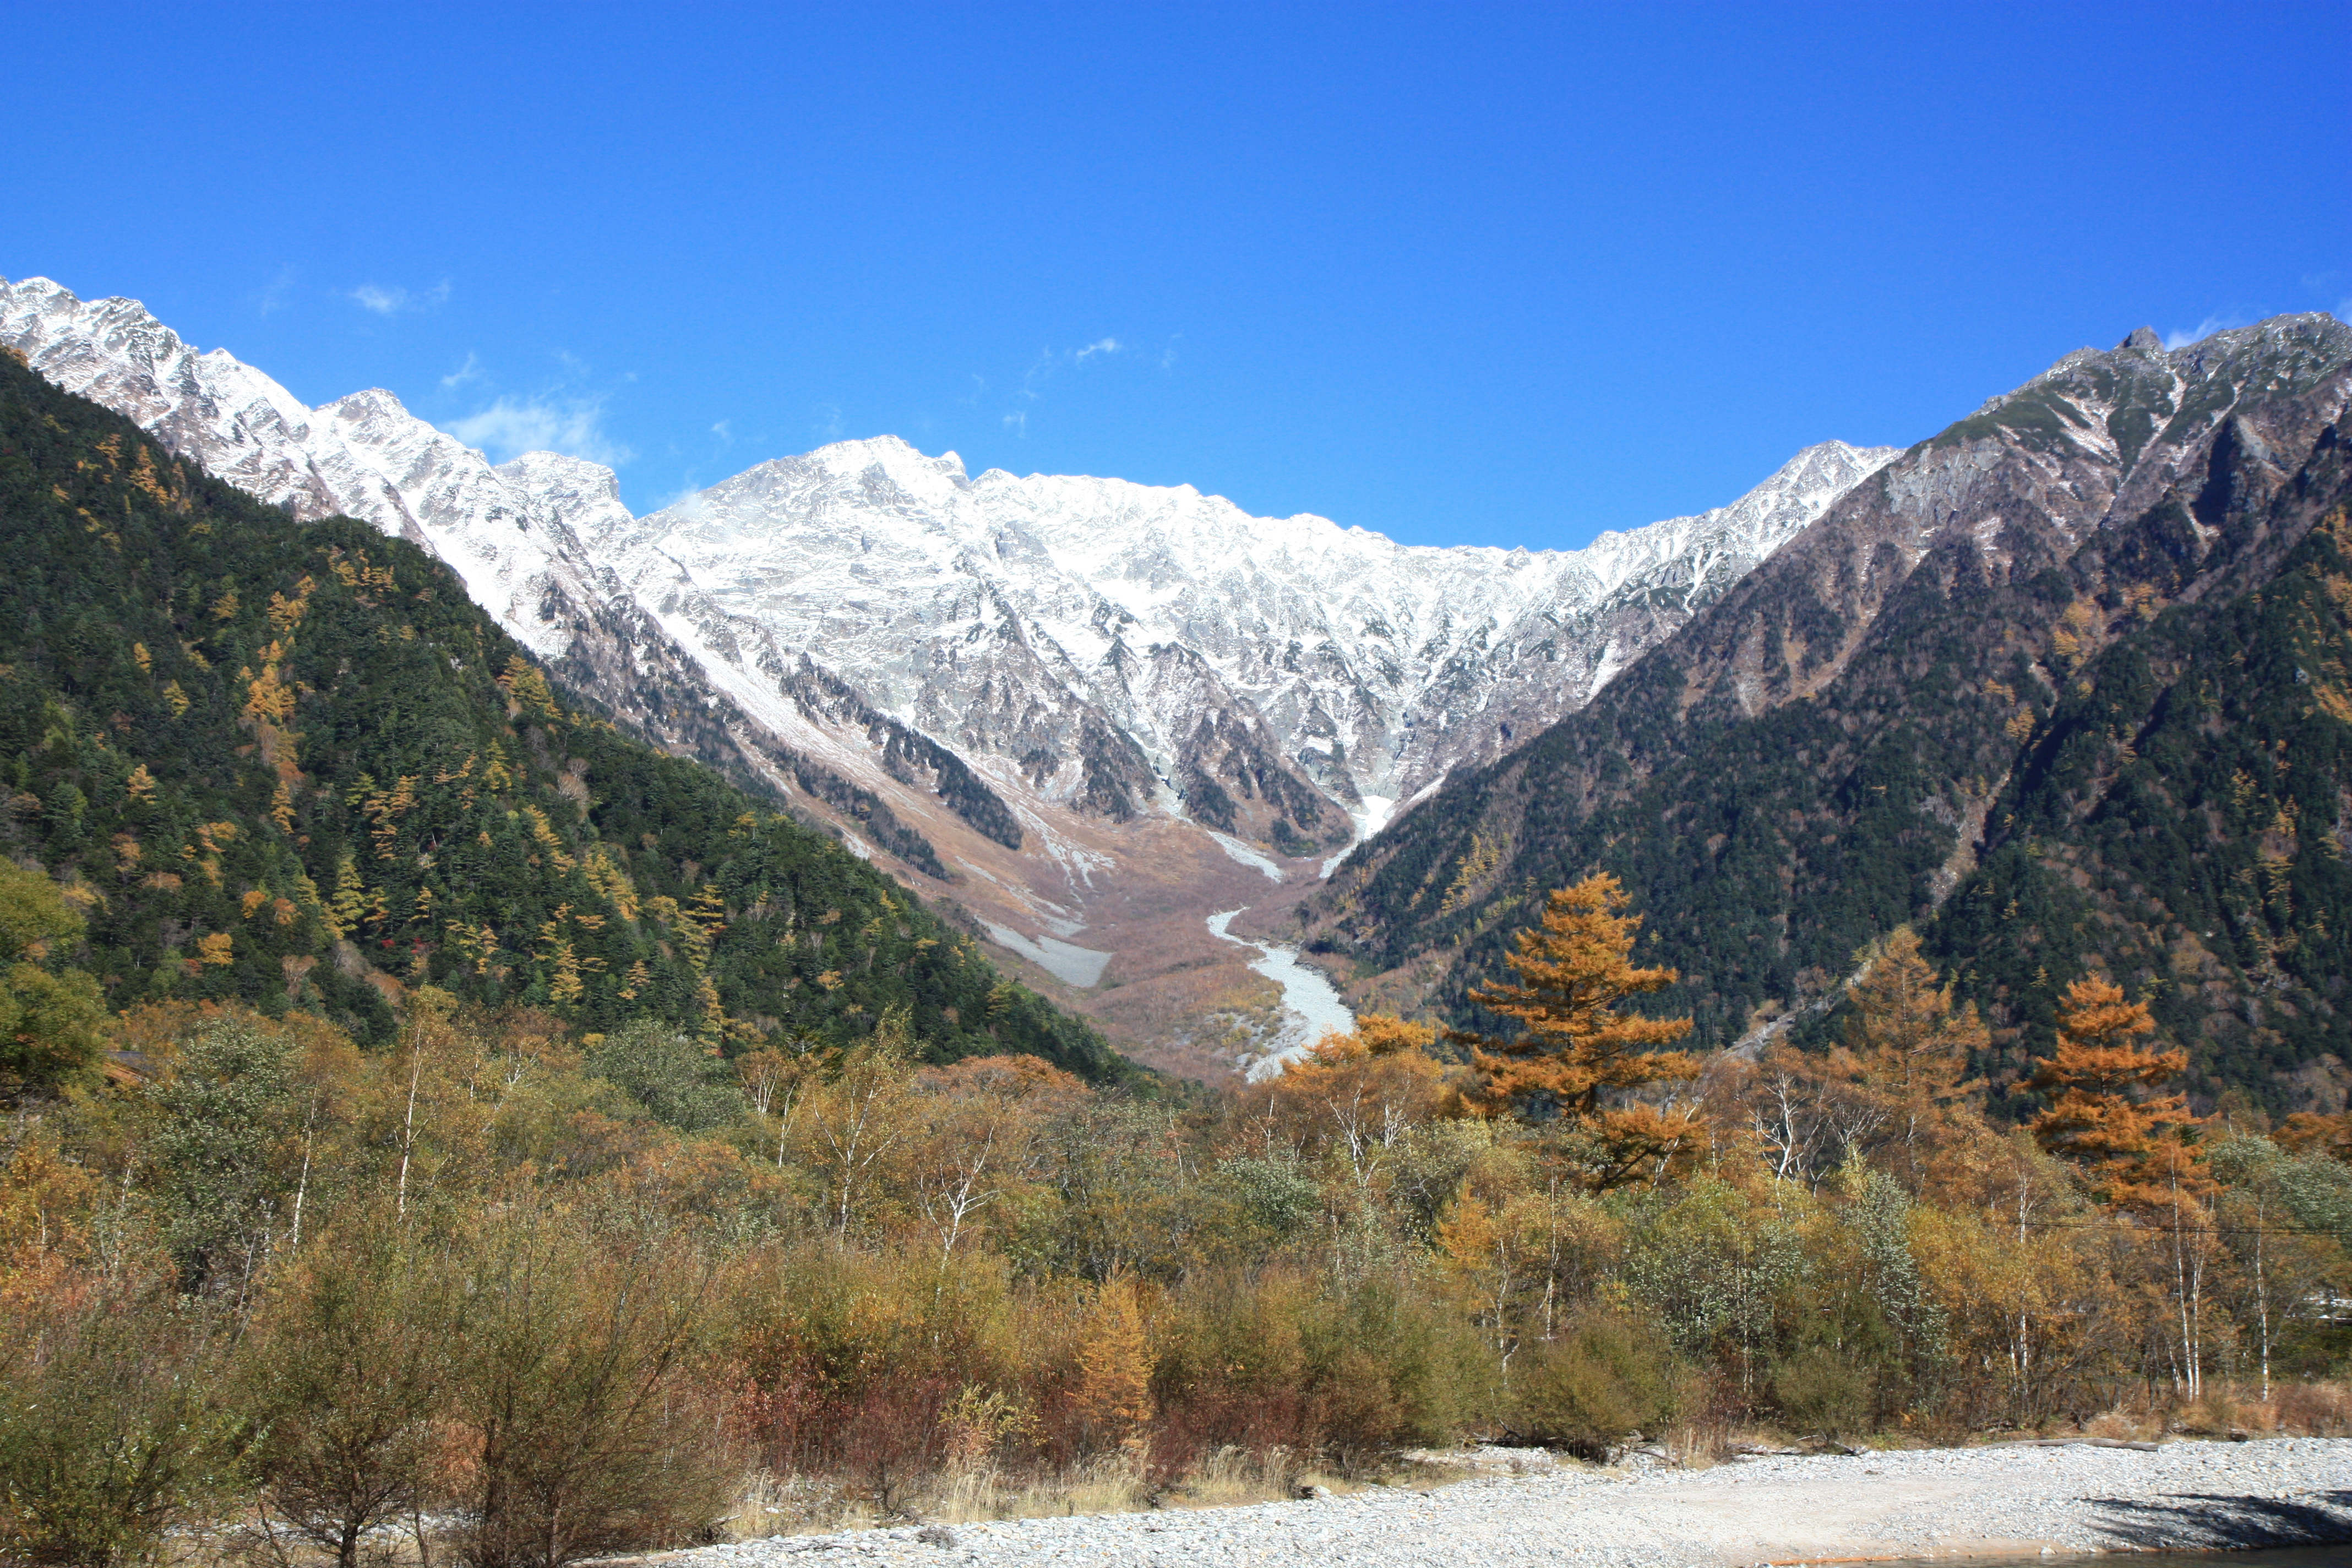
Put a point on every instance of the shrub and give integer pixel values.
(1820, 1389)
(2316, 1409)
(112, 1431)
(677, 1083)
(344, 1367)
(219, 1148)
(575, 1383)
(1606, 1376)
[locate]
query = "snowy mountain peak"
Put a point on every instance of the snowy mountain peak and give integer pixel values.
(897, 459)
(1085, 703)
(1109, 644)
(1358, 666)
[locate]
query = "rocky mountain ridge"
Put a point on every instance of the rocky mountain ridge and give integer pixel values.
(1014, 690)
(2044, 687)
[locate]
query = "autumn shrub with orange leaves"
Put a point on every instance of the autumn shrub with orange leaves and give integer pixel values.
(500, 1295)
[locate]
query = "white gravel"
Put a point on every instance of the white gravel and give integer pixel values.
(1931, 1503)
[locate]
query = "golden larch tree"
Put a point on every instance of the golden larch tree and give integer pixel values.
(1113, 1397)
(1577, 1049)
(1910, 1044)
(2101, 1116)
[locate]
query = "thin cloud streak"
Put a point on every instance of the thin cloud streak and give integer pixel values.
(511, 427)
(391, 301)
(273, 297)
(2201, 330)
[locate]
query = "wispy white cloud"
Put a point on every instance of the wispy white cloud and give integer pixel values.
(514, 425)
(470, 370)
(274, 295)
(724, 432)
(391, 301)
(827, 422)
(1018, 402)
(2201, 330)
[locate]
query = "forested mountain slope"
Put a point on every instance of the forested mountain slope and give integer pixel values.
(2063, 684)
(294, 764)
(1088, 713)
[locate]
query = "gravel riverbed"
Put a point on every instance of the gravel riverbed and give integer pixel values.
(1933, 1503)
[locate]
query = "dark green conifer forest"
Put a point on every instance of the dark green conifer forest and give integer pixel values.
(2116, 746)
(294, 766)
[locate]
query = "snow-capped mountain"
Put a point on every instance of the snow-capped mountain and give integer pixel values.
(364, 456)
(1273, 659)
(1116, 644)
(1081, 702)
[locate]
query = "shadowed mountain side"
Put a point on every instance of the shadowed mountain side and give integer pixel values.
(1814, 759)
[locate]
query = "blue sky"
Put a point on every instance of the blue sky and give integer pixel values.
(1506, 275)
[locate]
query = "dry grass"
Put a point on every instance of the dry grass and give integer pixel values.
(969, 1494)
(1233, 1475)
(1196, 1021)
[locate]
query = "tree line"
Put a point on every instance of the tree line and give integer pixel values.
(515, 1292)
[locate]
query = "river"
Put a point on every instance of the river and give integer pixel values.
(1311, 1008)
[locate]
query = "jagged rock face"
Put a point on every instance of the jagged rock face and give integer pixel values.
(1289, 662)
(1114, 648)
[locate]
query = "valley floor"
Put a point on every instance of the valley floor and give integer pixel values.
(1991, 1502)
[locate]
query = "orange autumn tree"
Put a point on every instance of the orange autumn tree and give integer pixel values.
(1911, 1044)
(2313, 1133)
(1578, 1049)
(1355, 1095)
(2100, 1116)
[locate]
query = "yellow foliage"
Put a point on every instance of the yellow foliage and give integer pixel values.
(286, 614)
(268, 699)
(1574, 969)
(1483, 856)
(1113, 1398)
(611, 882)
(543, 833)
(522, 681)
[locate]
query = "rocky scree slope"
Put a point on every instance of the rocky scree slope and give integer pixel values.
(2063, 684)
